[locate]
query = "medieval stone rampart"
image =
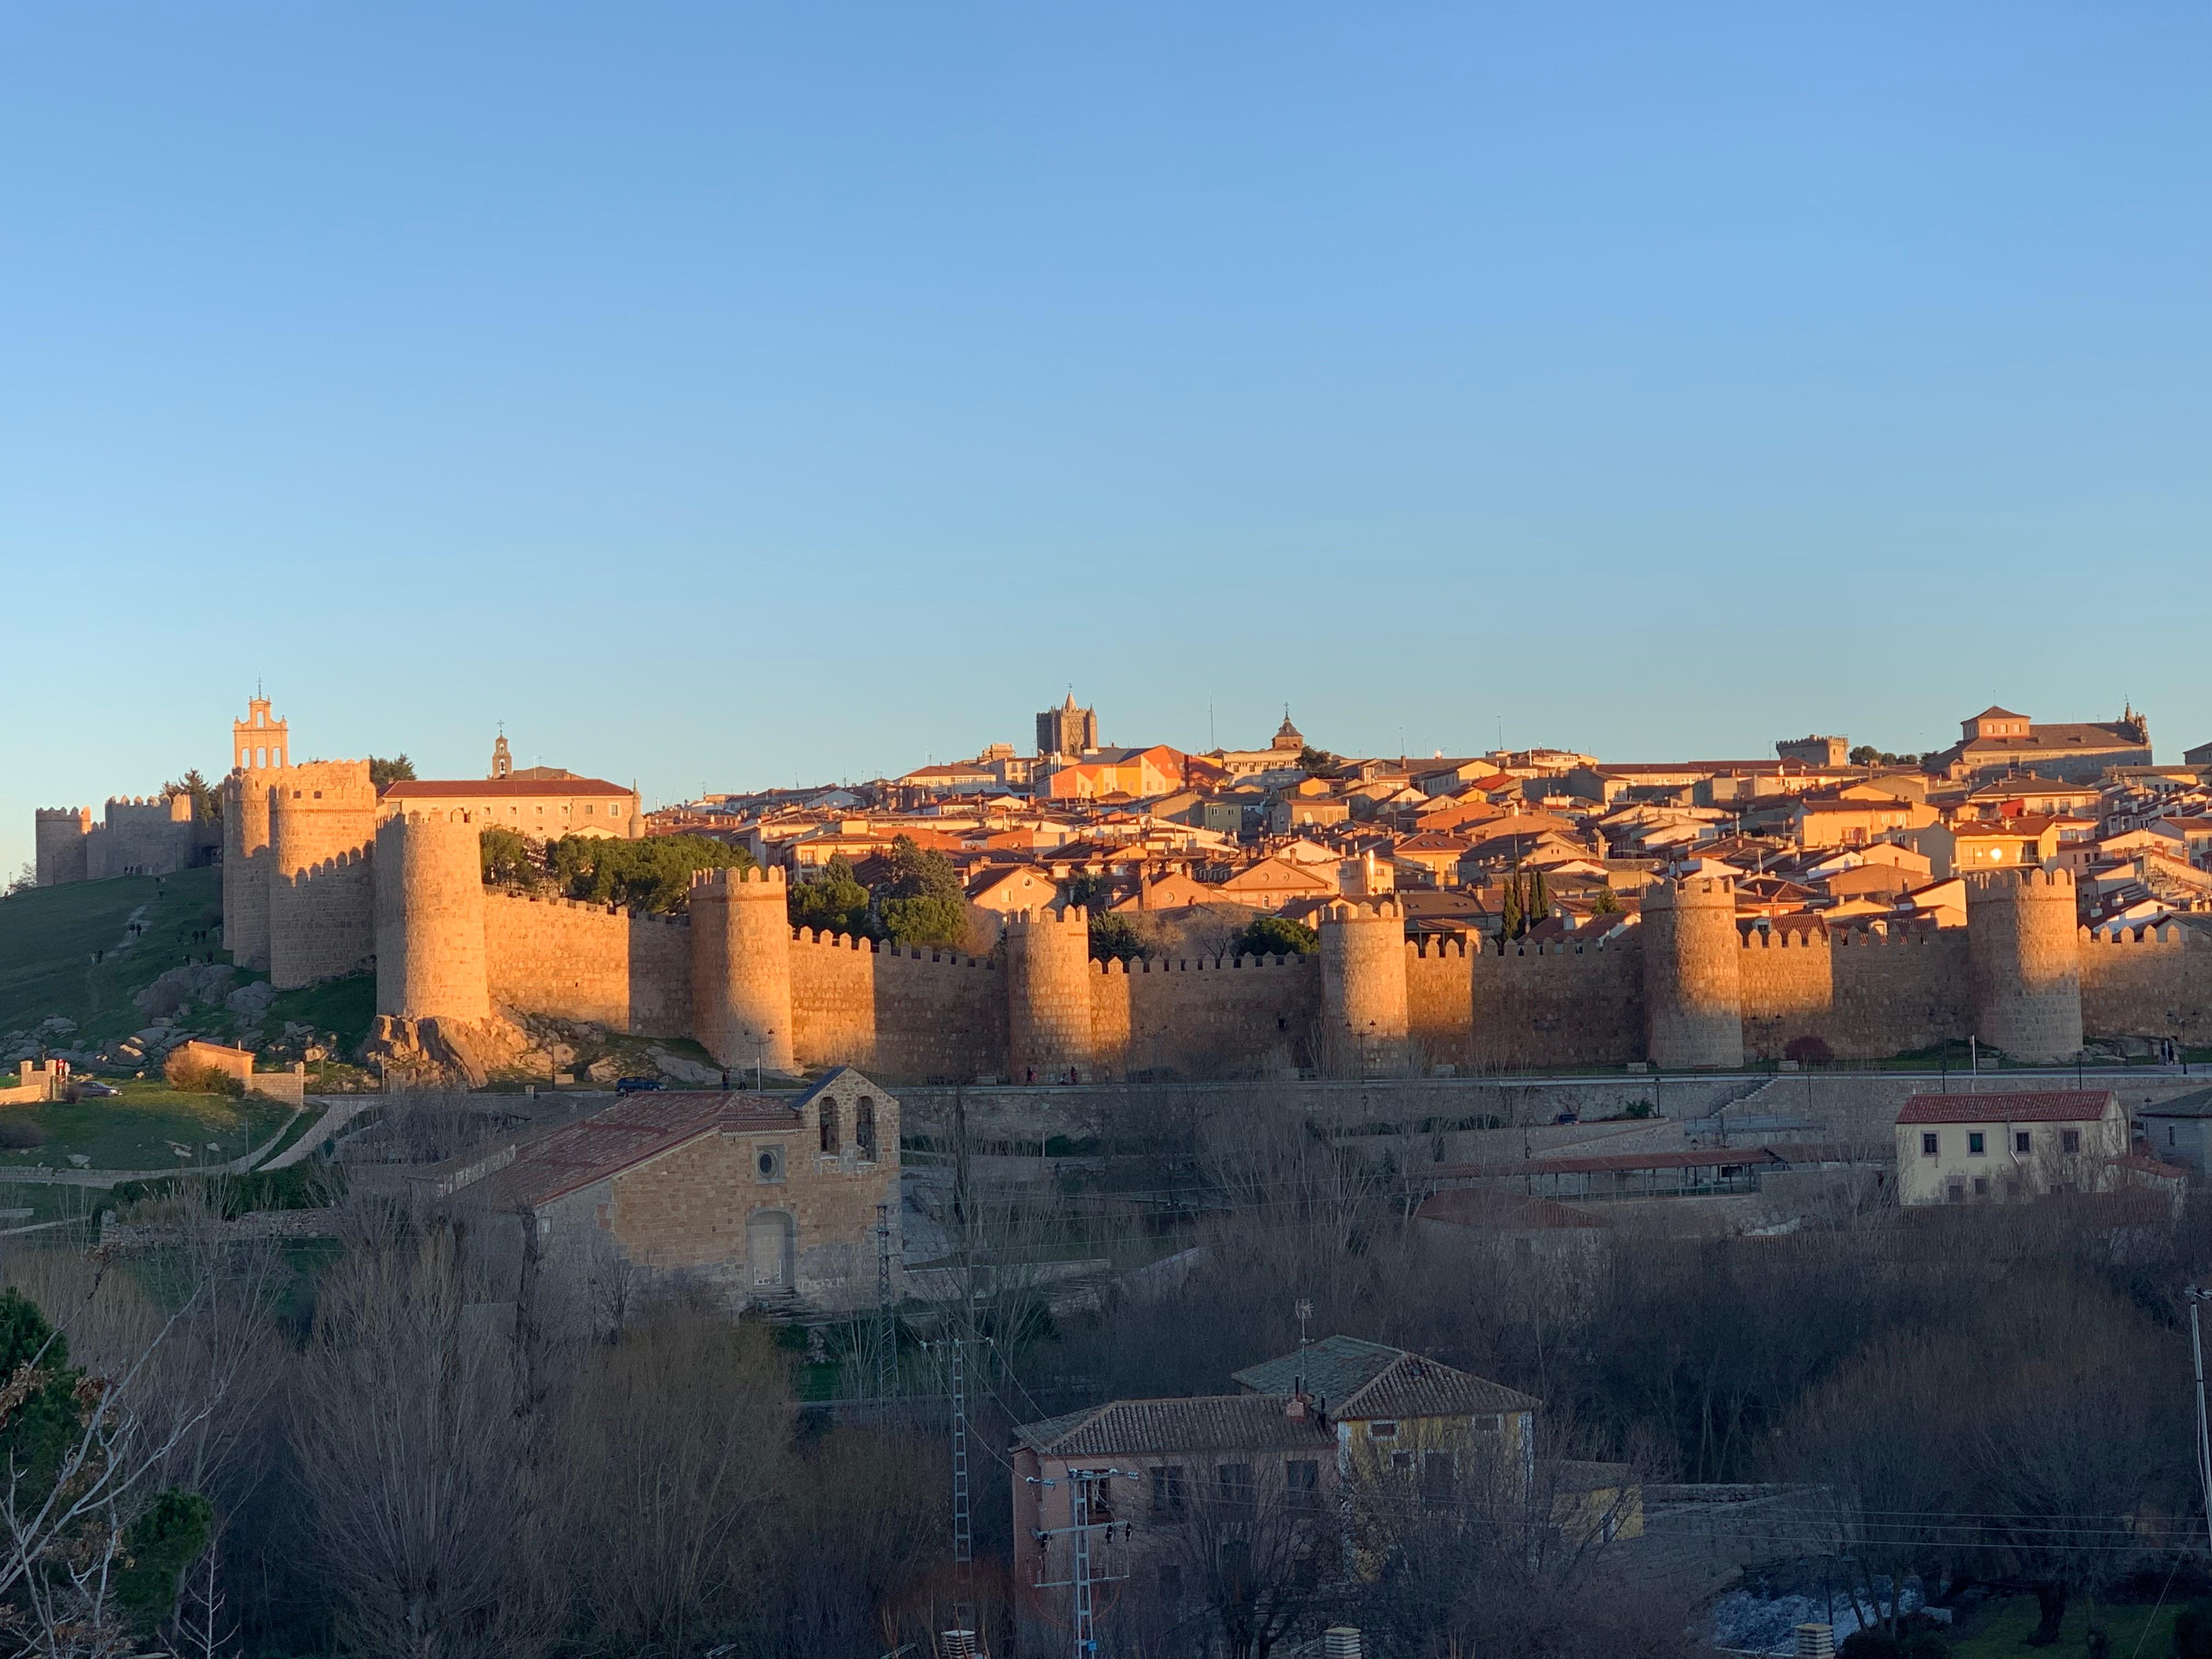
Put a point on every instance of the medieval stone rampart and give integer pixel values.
(2023, 963)
(1440, 1003)
(144, 835)
(247, 861)
(1866, 992)
(1692, 974)
(1364, 1012)
(1208, 1017)
(594, 963)
(64, 838)
(916, 1011)
(1049, 974)
(2148, 982)
(741, 968)
(1558, 1004)
(430, 918)
(322, 823)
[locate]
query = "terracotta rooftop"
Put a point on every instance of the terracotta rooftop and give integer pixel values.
(1358, 1379)
(1227, 1422)
(499, 788)
(2058, 1106)
(622, 1136)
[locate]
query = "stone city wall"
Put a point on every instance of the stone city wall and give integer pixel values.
(905, 1013)
(1221, 1016)
(589, 961)
(64, 836)
(1440, 1003)
(2148, 982)
(1867, 993)
(1538, 1005)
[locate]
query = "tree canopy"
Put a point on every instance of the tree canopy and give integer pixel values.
(1115, 939)
(207, 799)
(833, 902)
(653, 874)
(920, 900)
(397, 769)
(1277, 936)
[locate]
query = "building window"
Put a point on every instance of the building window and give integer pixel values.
(2023, 1142)
(1439, 1475)
(1975, 1145)
(864, 1126)
(829, 1141)
(1302, 1481)
(2011, 1187)
(2169, 1134)
(1401, 1462)
(1383, 1431)
(1928, 1145)
(1171, 1581)
(2069, 1141)
(1238, 1496)
(1167, 1488)
(1981, 1186)
(1956, 1195)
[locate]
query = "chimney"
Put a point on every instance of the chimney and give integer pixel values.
(1342, 1642)
(1816, 1642)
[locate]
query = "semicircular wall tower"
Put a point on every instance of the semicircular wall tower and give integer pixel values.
(1363, 989)
(741, 968)
(1049, 975)
(1692, 973)
(322, 827)
(2023, 963)
(430, 918)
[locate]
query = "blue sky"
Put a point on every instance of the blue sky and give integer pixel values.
(724, 394)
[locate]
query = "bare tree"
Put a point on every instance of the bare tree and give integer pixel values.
(418, 1470)
(675, 1445)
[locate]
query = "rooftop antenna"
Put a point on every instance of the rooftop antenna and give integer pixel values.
(1304, 1309)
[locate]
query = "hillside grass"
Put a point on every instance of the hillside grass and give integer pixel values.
(48, 936)
(345, 1006)
(134, 1129)
(2004, 1633)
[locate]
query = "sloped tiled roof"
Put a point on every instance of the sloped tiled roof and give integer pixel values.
(619, 1138)
(2057, 1106)
(1369, 1379)
(1228, 1422)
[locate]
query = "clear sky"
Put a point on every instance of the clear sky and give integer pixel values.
(723, 394)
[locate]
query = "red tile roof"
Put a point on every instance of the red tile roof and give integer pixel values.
(499, 788)
(2058, 1106)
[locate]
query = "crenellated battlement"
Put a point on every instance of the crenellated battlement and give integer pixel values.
(1355, 910)
(2016, 883)
(1820, 936)
(733, 880)
(555, 901)
(1070, 917)
(2170, 935)
(62, 814)
(1437, 947)
(1143, 965)
(1672, 892)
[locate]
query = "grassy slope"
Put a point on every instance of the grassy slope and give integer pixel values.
(2004, 1636)
(48, 935)
(134, 1129)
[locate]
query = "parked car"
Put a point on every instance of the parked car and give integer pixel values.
(91, 1091)
(637, 1085)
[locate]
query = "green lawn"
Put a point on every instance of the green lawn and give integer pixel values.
(345, 1006)
(48, 935)
(2004, 1636)
(134, 1130)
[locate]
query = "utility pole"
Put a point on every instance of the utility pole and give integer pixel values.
(2198, 1295)
(963, 1537)
(963, 1540)
(886, 1327)
(1085, 1574)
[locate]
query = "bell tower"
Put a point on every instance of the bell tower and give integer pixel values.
(503, 758)
(260, 742)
